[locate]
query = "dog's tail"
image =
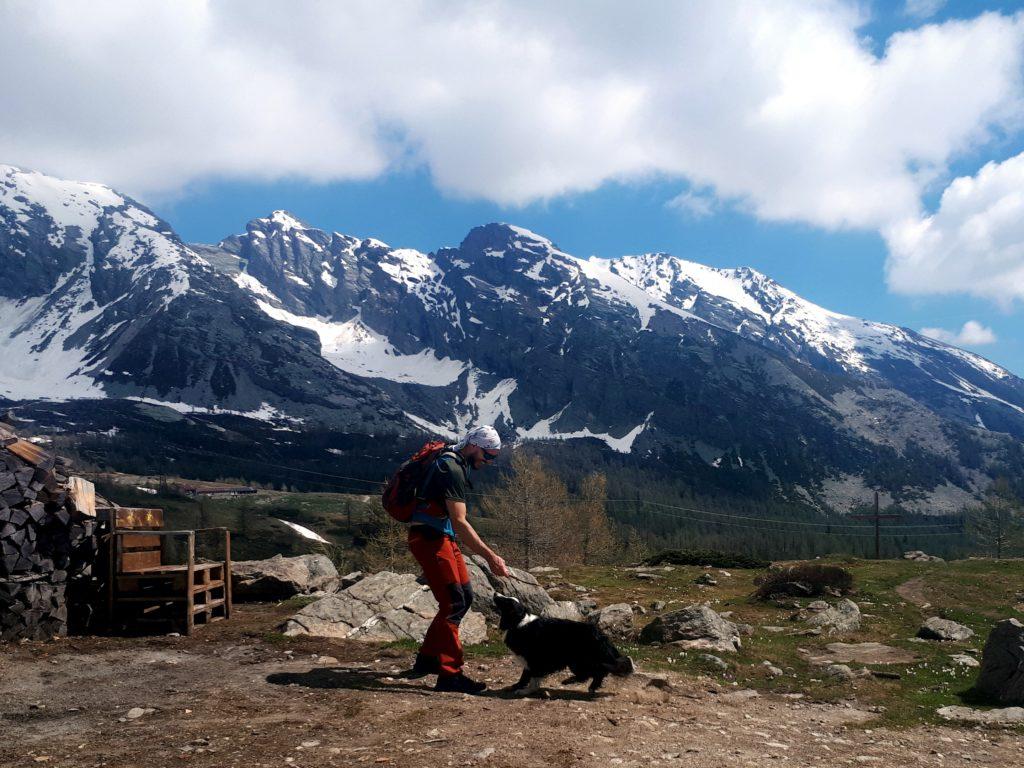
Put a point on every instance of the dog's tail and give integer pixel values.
(621, 667)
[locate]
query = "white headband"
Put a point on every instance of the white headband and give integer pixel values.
(486, 437)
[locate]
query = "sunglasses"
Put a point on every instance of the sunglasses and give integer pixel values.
(489, 456)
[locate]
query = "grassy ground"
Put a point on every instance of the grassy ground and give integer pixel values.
(974, 592)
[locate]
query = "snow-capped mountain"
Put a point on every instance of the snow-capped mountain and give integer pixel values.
(685, 368)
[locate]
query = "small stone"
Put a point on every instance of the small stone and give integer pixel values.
(773, 671)
(310, 744)
(135, 713)
(963, 660)
(714, 661)
(326, 660)
(484, 753)
(707, 580)
(839, 672)
(658, 605)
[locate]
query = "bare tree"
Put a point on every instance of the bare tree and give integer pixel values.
(596, 540)
(388, 547)
(532, 515)
(998, 524)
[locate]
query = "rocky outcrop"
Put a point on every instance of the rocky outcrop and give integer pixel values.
(1002, 664)
(840, 619)
(280, 577)
(944, 629)
(616, 620)
(696, 626)
(383, 607)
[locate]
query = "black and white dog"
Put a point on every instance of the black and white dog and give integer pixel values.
(545, 646)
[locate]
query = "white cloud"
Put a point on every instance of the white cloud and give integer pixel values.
(779, 106)
(696, 205)
(973, 243)
(922, 9)
(973, 334)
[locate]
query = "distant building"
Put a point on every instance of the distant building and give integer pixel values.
(233, 490)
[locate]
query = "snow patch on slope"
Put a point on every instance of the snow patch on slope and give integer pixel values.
(355, 348)
(542, 430)
(304, 532)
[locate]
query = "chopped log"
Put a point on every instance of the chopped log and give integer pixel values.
(83, 495)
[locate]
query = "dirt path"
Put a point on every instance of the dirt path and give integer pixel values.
(912, 591)
(232, 697)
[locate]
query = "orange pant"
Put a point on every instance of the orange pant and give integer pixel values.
(446, 574)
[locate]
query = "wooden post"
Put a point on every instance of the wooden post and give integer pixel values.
(877, 519)
(189, 579)
(227, 574)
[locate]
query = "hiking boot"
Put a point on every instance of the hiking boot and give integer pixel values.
(459, 684)
(423, 666)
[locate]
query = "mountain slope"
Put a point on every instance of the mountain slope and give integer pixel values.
(708, 377)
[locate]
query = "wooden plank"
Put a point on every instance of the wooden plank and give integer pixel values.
(31, 453)
(133, 542)
(138, 517)
(190, 619)
(139, 561)
(208, 606)
(83, 494)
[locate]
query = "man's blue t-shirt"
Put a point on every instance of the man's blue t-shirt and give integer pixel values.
(448, 480)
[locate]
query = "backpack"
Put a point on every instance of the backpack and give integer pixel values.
(401, 497)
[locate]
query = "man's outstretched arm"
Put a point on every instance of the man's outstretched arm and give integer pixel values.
(468, 535)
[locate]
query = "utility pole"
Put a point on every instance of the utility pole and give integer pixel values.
(877, 518)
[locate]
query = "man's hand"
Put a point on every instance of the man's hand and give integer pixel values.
(498, 567)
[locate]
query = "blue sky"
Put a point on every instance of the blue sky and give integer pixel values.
(815, 141)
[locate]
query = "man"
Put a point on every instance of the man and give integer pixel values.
(432, 540)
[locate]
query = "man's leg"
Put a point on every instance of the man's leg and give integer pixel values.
(448, 579)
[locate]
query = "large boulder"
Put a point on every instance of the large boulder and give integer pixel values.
(521, 585)
(615, 620)
(1002, 663)
(282, 577)
(696, 626)
(383, 607)
(944, 629)
(564, 609)
(840, 619)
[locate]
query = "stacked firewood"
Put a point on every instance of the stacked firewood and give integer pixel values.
(48, 539)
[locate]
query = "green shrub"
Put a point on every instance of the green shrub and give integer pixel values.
(699, 557)
(804, 580)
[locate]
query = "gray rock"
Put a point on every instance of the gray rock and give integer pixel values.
(564, 609)
(842, 618)
(1002, 663)
(840, 672)
(543, 569)
(696, 626)
(587, 606)
(944, 629)
(818, 605)
(918, 556)
(350, 578)
(522, 585)
(383, 607)
(1004, 716)
(615, 620)
(281, 577)
(658, 605)
(964, 660)
(714, 661)
(707, 580)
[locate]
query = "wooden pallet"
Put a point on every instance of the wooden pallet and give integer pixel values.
(145, 590)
